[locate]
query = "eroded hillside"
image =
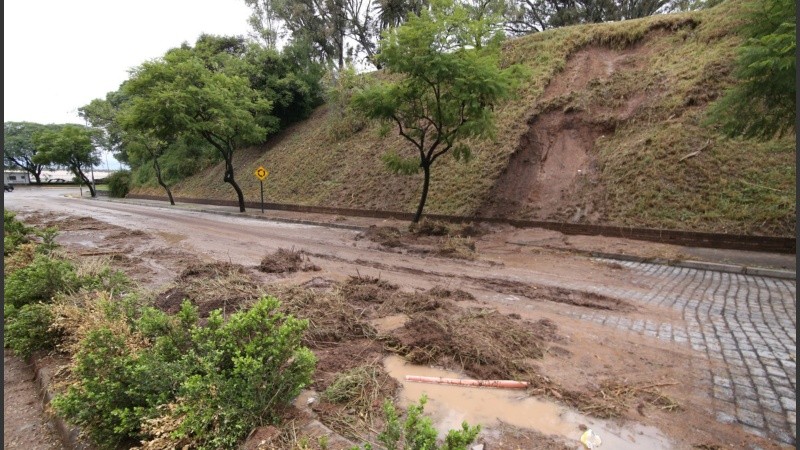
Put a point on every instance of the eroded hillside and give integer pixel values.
(608, 129)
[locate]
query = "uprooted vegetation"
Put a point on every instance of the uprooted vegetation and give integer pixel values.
(142, 363)
(428, 237)
(286, 261)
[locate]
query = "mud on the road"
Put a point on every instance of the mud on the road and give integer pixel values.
(355, 321)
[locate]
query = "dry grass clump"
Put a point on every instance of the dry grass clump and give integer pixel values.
(79, 313)
(386, 236)
(431, 227)
(22, 257)
(366, 289)
(331, 318)
(457, 247)
(485, 343)
(613, 398)
(286, 261)
(209, 286)
(457, 294)
(361, 392)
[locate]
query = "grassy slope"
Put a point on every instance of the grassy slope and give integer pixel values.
(731, 186)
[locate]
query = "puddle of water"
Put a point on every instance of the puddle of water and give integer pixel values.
(448, 406)
(389, 323)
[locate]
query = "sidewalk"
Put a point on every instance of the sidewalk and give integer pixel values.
(733, 261)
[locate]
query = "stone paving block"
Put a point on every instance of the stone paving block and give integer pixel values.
(725, 417)
(789, 404)
(771, 404)
(722, 381)
(753, 430)
(750, 418)
(724, 394)
(745, 403)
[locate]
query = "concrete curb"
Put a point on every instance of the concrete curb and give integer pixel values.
(70, 436)
(700, 265)
(690, 264)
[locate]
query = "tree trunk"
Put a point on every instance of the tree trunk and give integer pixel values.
(78, 173)
(427, 171)
(229, 179)
(37, 175)
(161, 181)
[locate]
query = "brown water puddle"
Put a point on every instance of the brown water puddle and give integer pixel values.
(448, 406)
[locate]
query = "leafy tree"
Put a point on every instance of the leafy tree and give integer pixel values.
(764, 101)
(19, 149)
(449, 80)
(526, 16)
(289, 81)
(101, 114)
(71, 146)
(179, 94)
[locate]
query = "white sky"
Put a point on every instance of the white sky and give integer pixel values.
(60, 55)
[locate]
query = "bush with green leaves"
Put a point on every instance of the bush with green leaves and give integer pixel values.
(225, 378)
(14, 232)
(39, 281)
(28, 329)
(119, 183)
(417, 431)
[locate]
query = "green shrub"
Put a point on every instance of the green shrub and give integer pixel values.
(225, 378)
(119, 183)
(14, 232)
(39, 281)
(117, 389)
(28, 330)
(417, 431)
(248, 368)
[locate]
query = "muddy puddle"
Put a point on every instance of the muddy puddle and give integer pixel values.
(386, 324)
(448, 406)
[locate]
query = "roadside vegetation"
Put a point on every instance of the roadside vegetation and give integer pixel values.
(142, 373)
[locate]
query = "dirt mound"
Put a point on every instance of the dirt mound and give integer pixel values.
(386, 236)
(484, 343)
(286, 261)
(209, 286)
(367, 289)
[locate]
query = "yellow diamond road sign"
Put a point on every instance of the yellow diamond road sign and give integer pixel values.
(261, 173)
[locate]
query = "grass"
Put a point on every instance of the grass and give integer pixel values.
(735, 186)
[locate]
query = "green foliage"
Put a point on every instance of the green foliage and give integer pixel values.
(39, 281)
(417, 431)
(248, 367)
(119, 183)
(19, 148)
(28, 329)
(225, 378)
(398, 164)
(71, 146)
(48, 243)
(764, 101)
(448, 62)
(14, 232)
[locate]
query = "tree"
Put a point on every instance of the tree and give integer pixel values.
(179, 94)
(764, 101)
(450, 79)
(526, 16)
(71, 146)
(19, 149)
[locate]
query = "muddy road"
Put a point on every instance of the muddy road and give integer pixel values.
(721, 346)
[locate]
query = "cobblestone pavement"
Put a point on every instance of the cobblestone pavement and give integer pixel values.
(745, 322)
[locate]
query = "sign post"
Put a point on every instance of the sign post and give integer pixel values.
(261, 173)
